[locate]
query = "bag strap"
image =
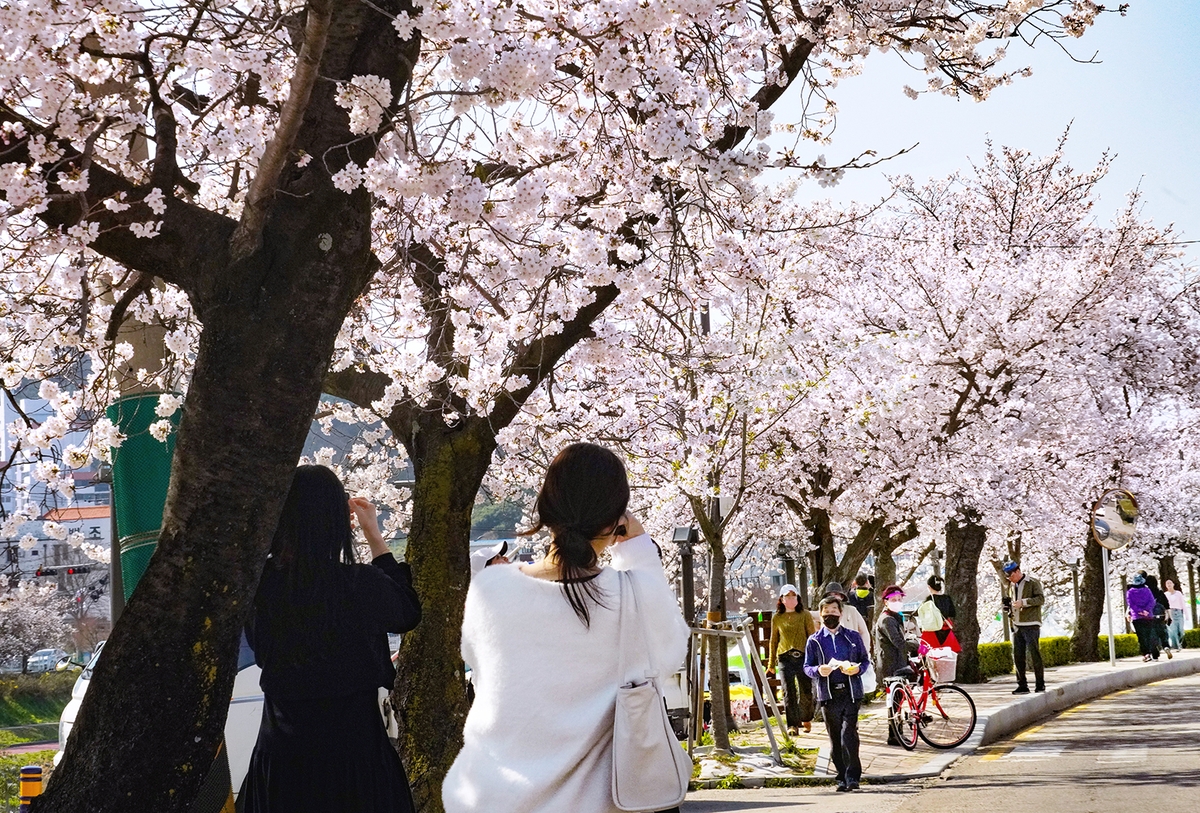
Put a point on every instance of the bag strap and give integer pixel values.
(631, 635)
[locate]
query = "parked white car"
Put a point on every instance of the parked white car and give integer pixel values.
(241, 726)
(44, 660)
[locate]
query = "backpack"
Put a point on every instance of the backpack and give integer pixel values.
(929, 617)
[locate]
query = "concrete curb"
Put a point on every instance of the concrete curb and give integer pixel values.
(1026, 710)
(1021, 713)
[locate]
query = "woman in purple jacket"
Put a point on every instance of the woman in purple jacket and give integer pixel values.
(1140, 601)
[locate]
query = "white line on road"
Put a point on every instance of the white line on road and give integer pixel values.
(1024, 753)
(1125, 756)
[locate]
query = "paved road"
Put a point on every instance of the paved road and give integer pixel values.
(1137, 750)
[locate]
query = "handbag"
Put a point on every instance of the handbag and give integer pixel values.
(650, 771)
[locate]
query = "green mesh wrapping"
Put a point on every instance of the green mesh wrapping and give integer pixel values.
(141, 473)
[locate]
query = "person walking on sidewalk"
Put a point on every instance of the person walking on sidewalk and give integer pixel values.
(935, 617)
(791, 627)
(851, 617)
(893, 651)
(835, 658)
(862, 598)
(1140, 601)
(1176, 604)
(1161, 613)
(1026, 614)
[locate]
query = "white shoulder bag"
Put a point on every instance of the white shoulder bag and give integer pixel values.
(650, 769)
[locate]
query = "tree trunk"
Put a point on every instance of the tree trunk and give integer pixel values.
(885, 565)
(718, 658)
(1166, 570)
(1085, 640)
(155, 711)
(964, 545)
(430, 693)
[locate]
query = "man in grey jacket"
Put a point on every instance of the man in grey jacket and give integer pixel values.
(1025, 610)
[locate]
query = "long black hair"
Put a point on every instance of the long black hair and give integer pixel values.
(314, 528)
(584, 495)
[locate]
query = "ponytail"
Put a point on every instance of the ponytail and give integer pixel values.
(584, 495)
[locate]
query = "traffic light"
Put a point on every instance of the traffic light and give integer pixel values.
(45, 571)
(71, 571)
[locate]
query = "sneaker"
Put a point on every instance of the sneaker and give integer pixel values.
(1021, 690)
(1170, 655)
(843, 788)
(1040, 689)
(852, 786)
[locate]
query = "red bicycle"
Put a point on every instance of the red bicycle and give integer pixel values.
(919, 707)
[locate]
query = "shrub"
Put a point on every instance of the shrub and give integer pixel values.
(1127, 646)
(1191, 639)
(1056, 652)
(995, 659)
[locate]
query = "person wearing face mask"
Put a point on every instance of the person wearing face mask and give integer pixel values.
(890, 634)
(791, 627)
(862, 598)
(851, 617)
(835, 658)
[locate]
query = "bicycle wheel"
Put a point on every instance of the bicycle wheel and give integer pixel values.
(948, 718)
(904, 720)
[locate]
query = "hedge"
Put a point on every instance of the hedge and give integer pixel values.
(1191, 639)
(997, 659)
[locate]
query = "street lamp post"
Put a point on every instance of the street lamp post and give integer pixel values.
(787, 562)
(686, 538)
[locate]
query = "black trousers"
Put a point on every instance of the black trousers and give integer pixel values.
(1147, 636)
(841, 721)
(1026, 639)
(798, 702)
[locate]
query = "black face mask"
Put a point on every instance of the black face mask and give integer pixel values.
(831, 621)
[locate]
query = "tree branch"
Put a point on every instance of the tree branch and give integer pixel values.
(248, 236)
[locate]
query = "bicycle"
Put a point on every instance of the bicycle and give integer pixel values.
(942, 714)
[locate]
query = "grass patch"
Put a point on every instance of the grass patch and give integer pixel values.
(26, 699)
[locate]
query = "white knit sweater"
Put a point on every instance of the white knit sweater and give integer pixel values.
(539, 736)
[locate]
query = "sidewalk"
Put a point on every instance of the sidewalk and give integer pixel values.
(999, 714)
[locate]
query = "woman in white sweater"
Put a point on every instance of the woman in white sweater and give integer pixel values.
(541, 640)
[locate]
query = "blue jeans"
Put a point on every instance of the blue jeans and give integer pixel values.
(1175, 629)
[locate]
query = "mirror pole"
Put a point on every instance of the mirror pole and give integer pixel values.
(1112, 645)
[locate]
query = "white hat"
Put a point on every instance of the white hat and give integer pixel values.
(482, 556)
(788, 588)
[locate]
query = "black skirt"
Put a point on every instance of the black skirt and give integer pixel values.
(324, 755)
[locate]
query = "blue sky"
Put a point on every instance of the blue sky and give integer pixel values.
(1142, 102)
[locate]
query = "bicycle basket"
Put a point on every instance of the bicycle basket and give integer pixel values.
(942, 664)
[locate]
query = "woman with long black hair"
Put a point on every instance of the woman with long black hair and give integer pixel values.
(542, 641)
(319, 632)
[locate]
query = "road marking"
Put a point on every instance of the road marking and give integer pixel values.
(1029, 753)
(998, 753)
(1029, 732)
(1125, 756)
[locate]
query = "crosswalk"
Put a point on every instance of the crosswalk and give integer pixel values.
(1042, 752)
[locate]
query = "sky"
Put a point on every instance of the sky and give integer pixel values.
(1141, 103)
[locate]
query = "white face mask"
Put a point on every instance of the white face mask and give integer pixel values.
(895, 606)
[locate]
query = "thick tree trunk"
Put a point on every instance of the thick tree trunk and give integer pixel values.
(430, 694)
(885, 565)
(1084, 641)
(155, 711)
(964, 545)
(154, 714)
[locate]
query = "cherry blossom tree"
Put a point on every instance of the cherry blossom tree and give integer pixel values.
(31, 617)
(475, 185)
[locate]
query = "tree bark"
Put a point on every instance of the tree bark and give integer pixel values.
(965, 540)
(1166, 570)
(1085, 640)
(430, 692)
(718, 658)
(154, 714)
